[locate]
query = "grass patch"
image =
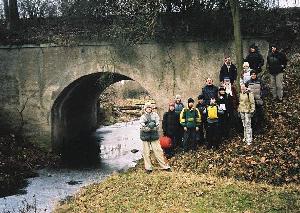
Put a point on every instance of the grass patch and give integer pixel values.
(161, 191)
(237, 198)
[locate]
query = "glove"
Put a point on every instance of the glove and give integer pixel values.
(185, 129)
(197, 128)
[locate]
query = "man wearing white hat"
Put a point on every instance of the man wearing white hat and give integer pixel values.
(149, 135)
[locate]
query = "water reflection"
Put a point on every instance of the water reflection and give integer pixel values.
(117, 143)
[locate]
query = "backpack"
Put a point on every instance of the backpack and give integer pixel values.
(212, 112)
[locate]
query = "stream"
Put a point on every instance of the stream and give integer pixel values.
(53, 185)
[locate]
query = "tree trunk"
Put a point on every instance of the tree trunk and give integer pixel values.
(234, 5)
(168, 6)
(13, 20)
(6, 11)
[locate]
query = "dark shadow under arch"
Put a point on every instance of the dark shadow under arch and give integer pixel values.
(74, 117)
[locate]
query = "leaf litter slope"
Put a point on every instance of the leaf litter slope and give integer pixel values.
(274, 155)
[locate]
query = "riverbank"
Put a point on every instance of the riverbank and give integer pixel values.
(54, 184)
(19, 160)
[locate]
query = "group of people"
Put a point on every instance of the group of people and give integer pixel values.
(218, 109)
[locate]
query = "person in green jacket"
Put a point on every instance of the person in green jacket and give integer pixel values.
(190, 119)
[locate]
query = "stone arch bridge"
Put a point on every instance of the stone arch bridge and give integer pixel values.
(53, 89)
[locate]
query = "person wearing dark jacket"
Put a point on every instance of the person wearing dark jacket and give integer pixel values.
(209, 91)
(213, 113)
(170, 126)
(190, 119)
(232, 96)
(228, 70)
(223, 103)
(276, 63)
(201, 107)
(257, 87)
(254, 58)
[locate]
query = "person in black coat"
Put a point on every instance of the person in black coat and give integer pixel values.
(171, 126)
(254, 58)
(223, 103)
(201, 107)
(209, 91)
(228, 70)
(276, 63)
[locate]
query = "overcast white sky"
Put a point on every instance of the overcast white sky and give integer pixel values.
(282, 3)
(289, 3)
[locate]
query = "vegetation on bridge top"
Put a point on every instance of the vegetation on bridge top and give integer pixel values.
(128, 25)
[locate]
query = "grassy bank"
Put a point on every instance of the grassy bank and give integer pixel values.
(162, 191)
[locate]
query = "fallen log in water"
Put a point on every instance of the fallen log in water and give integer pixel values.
(128, 107)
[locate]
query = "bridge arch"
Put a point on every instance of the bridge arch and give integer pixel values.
(74, 116)
(43, 79)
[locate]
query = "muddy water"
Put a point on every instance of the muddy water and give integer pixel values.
(43, 192)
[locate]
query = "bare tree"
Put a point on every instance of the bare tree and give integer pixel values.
(6, 11)
(13, 18)
(235, 11)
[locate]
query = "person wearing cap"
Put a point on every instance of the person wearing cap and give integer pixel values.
(209, 91)
(276, 63)
(149, 135)
(228, 70)
(246, 110)
(190, 119)
(257, 87)
(254, 58)
(245, 74)
(223, 103)
(171, 126)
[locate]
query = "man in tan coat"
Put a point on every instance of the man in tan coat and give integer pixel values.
(246, 110)
(149, 135)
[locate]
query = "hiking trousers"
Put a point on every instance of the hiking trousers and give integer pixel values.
(277, 85)
(246, 119)
(213, 135)
(258, 119)
(158, 152)
(189, 139)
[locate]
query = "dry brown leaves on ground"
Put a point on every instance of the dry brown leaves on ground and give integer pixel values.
(274, 156)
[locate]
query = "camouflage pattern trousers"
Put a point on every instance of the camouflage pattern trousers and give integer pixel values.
(246, 119)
